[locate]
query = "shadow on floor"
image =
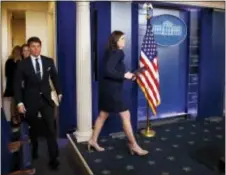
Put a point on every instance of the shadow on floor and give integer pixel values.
(41, 164)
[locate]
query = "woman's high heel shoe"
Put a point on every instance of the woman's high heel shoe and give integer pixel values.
(95, 146)
(138, 151)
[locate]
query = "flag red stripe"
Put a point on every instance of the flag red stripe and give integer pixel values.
(143, 61)
(150, 86)
(156, 82)
(147, 95)
(151, 64)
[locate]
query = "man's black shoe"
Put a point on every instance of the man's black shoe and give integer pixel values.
(54, 164)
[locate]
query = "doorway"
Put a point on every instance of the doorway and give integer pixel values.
(18, 28)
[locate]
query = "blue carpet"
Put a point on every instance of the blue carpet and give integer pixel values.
(176, 150)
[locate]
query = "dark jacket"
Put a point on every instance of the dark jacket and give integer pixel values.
(111, 97)
(33, 86)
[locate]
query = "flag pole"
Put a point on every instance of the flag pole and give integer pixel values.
(148, 132)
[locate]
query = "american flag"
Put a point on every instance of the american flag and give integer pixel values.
(148, 80)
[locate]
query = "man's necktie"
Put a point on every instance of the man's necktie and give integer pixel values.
(38, 72)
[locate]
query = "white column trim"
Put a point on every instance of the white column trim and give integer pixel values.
(83, 72)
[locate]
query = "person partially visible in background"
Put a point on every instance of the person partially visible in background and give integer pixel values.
(25, 51)
(10, 68)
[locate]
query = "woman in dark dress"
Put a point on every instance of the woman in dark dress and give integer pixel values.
(10, 68)
(111, 93)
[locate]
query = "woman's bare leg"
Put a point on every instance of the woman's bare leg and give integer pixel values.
(97, 128)
(134, 147)
(125, 117)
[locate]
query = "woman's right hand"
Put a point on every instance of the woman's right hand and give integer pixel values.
(128, 75)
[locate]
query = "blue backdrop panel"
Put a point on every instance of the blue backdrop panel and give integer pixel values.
(66, 38)
(103, 30)
(212, 64)
(172, 70)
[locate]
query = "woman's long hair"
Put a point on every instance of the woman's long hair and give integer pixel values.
(22, 49)
(113, 39)
(16, 50)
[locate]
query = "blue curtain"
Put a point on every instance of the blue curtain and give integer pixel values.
(212, 64)
(66, 44)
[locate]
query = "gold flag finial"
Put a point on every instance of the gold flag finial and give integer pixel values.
(148, 7)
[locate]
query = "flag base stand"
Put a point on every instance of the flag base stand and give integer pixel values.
(148, 132)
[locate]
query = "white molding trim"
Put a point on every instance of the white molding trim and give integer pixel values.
(79, 155)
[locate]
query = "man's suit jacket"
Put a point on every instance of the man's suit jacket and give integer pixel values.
(33, 86)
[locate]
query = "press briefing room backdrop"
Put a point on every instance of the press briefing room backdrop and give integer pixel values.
(191, 58)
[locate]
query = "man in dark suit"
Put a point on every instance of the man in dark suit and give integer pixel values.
(35, 97)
